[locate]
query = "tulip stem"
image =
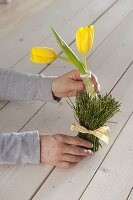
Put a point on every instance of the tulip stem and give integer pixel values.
(63, 58)
(84, 60)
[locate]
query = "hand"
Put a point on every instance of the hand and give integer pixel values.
(69, 84)
(64, 151)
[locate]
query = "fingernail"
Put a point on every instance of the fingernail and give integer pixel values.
(88, 151)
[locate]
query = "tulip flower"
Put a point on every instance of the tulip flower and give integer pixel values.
(84, 42)
(42, 55)
(84, 38)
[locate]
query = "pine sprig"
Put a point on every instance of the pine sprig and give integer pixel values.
(92, 113)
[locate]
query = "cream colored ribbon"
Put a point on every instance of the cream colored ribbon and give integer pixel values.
(101, 132)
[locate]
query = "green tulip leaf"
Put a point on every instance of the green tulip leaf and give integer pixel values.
(69, 53)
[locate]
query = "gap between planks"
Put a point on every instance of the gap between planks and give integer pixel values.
(130, 195)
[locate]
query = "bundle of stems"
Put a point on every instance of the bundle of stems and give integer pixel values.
(93, 113)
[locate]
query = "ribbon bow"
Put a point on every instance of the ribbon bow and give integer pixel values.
(101, 132)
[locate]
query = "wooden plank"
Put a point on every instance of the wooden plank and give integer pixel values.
(71, 183)
(17, 12)
(59, 119)
(31, 174)
(114, 178)
(16, 117)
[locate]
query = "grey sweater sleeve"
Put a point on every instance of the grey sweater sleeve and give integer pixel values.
(23, 147)
(19, 148)
(24, 86)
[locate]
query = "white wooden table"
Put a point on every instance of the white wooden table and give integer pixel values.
(108, 175)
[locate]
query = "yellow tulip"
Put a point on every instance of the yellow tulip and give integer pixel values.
(84, 38)
(42, 55)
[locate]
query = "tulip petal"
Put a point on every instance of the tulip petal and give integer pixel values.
(84, 38)
(92, 31)
(42, 55)
(79, 38)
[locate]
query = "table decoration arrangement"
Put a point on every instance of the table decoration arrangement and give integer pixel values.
(91, 110)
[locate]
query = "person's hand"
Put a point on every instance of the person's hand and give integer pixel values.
(64, 151)
(69, 84)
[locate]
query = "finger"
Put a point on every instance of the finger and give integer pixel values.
(72, 158)
(94, 77)
(97, 87)
(74, 141)
(74, 150)
(96, 84)
(74, 75)
(65, 164)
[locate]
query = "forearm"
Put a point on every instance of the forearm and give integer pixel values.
(21, 147)
(24, 86)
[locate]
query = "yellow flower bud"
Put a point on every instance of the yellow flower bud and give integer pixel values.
(42, 55)
(84, 38)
